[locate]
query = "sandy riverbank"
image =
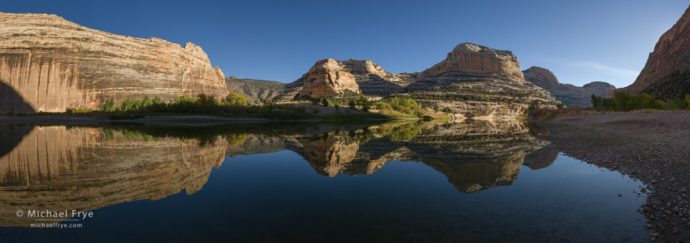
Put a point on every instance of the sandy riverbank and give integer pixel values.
(651, 146)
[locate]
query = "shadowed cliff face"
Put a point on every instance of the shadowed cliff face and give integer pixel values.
(11, 101)
(58, 168)
(666, 75)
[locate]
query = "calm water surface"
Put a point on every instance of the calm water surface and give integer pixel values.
(396, 182)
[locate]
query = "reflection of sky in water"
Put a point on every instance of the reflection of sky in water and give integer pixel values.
(276, 197)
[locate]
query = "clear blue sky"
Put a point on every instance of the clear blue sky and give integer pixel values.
(580, 41)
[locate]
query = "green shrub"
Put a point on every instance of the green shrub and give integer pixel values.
(687, 101)
(235, 99)
(625, 102)
(108, 105)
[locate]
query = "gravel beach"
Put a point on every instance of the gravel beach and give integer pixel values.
(651, 146)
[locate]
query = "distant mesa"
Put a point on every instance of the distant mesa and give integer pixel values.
(667, 72)
(568, 94)
(54, 64)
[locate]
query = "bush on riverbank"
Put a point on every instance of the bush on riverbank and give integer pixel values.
(401, 107)
(625, 102)
(232, 105)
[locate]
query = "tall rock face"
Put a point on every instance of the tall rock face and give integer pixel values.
(472, 58)
(569, 95)
(328, 78)
(473, 81)
(49, 64)
(479, 82)
(667, 72)
(332, 77)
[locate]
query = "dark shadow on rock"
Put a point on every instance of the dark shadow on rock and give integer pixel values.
(11, 101)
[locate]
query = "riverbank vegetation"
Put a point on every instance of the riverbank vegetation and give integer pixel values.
(625, 102)
(236, 105)
(399, 107)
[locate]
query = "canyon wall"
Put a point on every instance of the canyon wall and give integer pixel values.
(666, 75)
(49, 64)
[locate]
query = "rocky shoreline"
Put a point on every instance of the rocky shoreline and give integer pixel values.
(651, 146)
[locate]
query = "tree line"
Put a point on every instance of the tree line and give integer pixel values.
(626, 102)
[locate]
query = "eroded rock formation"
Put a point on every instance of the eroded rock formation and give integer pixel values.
(667, 72)
(568, 94)
(328, 78)
(472, 58)
(473, 81)
(50, 64)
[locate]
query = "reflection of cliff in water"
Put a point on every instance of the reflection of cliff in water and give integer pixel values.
(58, 168)
(474, 156)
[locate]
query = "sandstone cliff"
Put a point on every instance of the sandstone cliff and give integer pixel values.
(667, 72)
(479, 82)
(357, 76)
(473, 81)
(50, 64)
(472, 58)
(568, 94)
(328, 78)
